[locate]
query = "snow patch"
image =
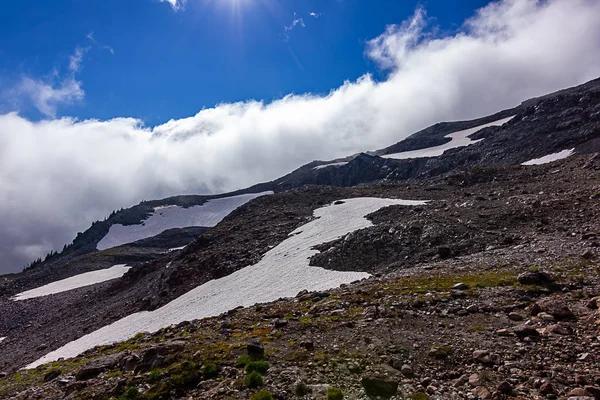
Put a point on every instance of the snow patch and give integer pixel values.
(176, 248)
(2, 339)
(550, 157)
(459, 139)
(208, 214)
(337, 164)
(74, 282)
(282, 272)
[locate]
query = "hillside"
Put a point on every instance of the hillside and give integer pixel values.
(458, 317)
(375, 244)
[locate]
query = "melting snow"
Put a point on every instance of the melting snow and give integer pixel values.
(282, 272)
(337, 164)
(176, 248)
(550, 157)
(74, 282)
(168, 217)
(459, 139)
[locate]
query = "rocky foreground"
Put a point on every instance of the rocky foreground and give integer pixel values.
(516, 318)
(452, 329)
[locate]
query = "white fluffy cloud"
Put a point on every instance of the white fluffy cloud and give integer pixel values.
(49, 93)
(46, 96)
(175, 4)
(57, 176)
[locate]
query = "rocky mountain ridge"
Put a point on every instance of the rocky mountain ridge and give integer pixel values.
(566, 119)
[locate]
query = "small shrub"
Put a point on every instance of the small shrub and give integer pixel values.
(243, 360)
(158, 391)
(254, 379)
(115, 374)
(130, 394)
(259, 366)
(155, 375)
(306, 320)
(185, 375)
(419, 396)
(301, 389)
(210, 371)
(440, 352)
(478, 328)
(262, 395)
(334, 393)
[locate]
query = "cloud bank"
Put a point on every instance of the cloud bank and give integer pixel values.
(58, 175)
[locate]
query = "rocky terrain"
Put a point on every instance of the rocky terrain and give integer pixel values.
(456, 311)
(488, 291)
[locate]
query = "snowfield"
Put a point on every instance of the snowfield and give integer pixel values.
(208, 214)
(459, 139)
(282, 272)
(74, 282)
(337, 164)
(550, 157)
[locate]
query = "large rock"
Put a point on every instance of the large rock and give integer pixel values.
(154, 357)
(255, 349)
(380, 386)
(593, 390)
(523, 331)
(535, 278)
(475, 380)
(594, 303)
(407, 370)
(557, 309)
(580, 392)
(505, 387)
(52, 374)
(483, 356)
(95, 367)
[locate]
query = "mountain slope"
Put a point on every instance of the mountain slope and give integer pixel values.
(480, 198)
(407, 330)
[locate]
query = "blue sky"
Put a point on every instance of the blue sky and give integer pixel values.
(149, 61)
(106, 103)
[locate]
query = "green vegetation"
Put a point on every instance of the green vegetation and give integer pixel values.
(301, 389)
(185, 375)
(130, 394)
(440, 352)
(444, 282)
(243, 360)
(258, 366)
(419, 396)
(155, 375)
(158, 391)
(210, 371)
(254, 379)
(306, 320)
(334, 393)
(262, 395)
(115, 374)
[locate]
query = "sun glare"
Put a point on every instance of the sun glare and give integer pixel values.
(239, 9)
